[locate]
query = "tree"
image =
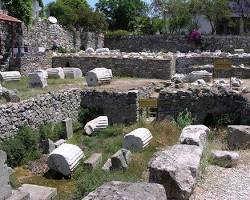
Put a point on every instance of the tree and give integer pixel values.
(214, 10)
(21, 9)
(120, 13)
(77, 14)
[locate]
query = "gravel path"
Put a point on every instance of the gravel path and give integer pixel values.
(225, 184)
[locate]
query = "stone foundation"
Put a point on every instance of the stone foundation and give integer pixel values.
(123, 67)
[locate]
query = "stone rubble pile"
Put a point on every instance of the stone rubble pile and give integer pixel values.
(96, 125)
(137, 140)
(65, 159)
(10, 76)
(99, 76)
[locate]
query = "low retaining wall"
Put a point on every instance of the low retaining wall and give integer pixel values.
(27, 64)
(174, 43)
(206, 105)
(123, 67)
(120, 107)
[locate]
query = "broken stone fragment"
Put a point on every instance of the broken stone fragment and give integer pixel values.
(176, 169)
(121, 159)
(38, 79)
(56, 73)
(71, 72)
(89, 50)
(137, 140)
(96, 125)
(225, 158)
(107, 165)
(10, 76)
(65, 159)
(238, 137)
(99, 76)
(93, 161)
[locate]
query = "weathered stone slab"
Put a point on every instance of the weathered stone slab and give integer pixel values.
(121, 159)
(107, 165)
(48, 146)
(65, 158)
(10, 76)
(194, 135)
(68, 128)
(102, 50)
(225, 158)
(137, 140)
(56, 73)
(96, 124)
(38, 79)
(71, 72)
(99, 76)
(93, 161)
(39, 192)
(59, 142)
(176, 169)
(130, 191)
(238, 137)
(19, 195)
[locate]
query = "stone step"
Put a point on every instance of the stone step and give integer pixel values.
(19, 195)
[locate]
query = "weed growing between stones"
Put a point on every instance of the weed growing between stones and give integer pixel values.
(184, 119)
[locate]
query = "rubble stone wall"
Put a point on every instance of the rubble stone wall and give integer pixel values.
(175, 43)
(124, 67)
(120, 107)
(206, 105)
(27, 64)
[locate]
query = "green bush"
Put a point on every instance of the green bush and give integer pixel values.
(21, 148)
(117, 33)
(53, 131)
(184, 119)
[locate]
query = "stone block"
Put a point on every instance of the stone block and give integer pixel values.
(10, 76)
(68, 128)
(107, 165)
(19, 195)
(93, 161)
(225, 158)
(176, 169)
(89, 50)
(38, 79)
(65, 159)
(48, 146)
(59, 142)
(99, 76)
(196, 75)
(102, 50)
(71, 72)
(194, 135)
(39, 192)
(96, 125)
(56, 73)
(137, 140)
(121, 159)
(238, 137)
(130, 191)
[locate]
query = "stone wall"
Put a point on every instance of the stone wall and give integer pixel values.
(175, 43)
(54, 106)
(124, 67)
(207, 105)
(27, 64)
(120, 107)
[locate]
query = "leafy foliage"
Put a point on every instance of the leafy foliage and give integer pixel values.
(120, 13)
(77, 14)
(184, 119)
(22, 147)
(53, 131)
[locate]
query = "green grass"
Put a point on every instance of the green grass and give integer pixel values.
(24, 91)
(106, 142)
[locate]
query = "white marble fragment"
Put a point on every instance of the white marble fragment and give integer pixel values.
(71, 72)
(138, 139)
(96, 124)
(38, 79)
(56, 73)
(10, 76)
(99, 76)
(89, 50)
(65, 158)
(102, 50)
